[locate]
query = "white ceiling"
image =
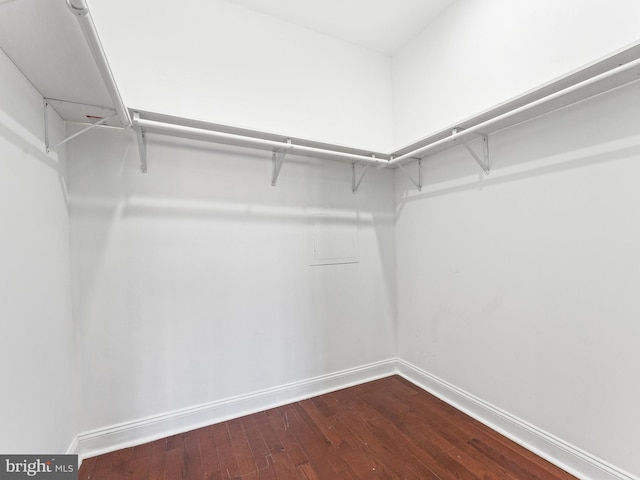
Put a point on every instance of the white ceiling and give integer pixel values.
(379, 25)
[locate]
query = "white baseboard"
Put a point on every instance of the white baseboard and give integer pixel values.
(566, 456)
(144, 430)
(74, 447)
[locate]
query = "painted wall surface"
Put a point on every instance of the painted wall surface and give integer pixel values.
(476, 55)
(37, 405)
(521, 287)
(193, 284)
(214, 61)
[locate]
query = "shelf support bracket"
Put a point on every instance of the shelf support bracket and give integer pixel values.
(47, 140)
(142, 142)
(355, 184)
(418, 183)
(277, 159)
(483, 160)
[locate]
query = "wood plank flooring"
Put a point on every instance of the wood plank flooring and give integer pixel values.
(385, 429)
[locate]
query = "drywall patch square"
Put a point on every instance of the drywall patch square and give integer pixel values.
(333, 238)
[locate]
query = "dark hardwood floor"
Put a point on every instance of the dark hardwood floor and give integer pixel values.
(386, 429)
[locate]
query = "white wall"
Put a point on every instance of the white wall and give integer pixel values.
(521, 287)
(192, 283)
(37, 405)
(477, 54)
(215, 61)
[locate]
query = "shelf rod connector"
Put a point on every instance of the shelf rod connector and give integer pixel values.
(142, 142)
(418, 183)
(277, 159)
(483, 161)
(355, 184)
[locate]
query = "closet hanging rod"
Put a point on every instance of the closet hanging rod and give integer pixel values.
(152, 126)
(478, 128)
(80, 9)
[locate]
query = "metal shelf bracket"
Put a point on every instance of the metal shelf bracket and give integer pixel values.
(418, 183)
(142, 142)
(47, 140)
(355, 184)
(277, 159)
(483, 160)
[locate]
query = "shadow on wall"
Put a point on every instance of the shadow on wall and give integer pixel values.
(462, 180)
(189, 184)
(34, 148)
(590, 132)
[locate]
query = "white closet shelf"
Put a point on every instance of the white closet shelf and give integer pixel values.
(603, 75)
(615, 70)
(81, 10)
(149, 122)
